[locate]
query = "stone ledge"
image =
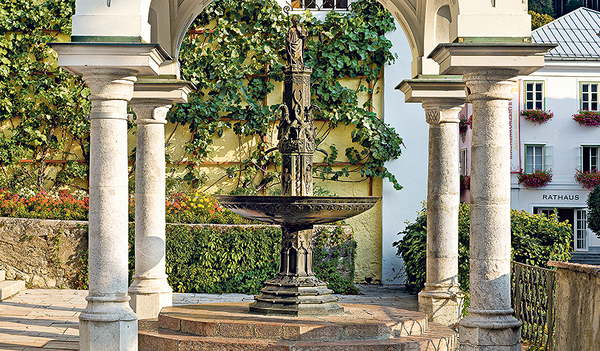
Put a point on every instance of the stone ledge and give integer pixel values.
(576, 267)
(9, 288)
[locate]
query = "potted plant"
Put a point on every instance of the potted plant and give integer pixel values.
(464, 124)
(536, 179)
(587, 118)
(588, 179)
(537, 115)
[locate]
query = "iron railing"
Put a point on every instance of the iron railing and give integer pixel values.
(533, 290)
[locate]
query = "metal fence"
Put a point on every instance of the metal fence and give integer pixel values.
(533, 290)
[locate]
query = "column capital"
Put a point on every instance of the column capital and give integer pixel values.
(150, 111)
(490, 84)
(439, 112)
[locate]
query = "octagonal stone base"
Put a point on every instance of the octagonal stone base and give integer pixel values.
(108, 336)
(484, 339)
(442, 307)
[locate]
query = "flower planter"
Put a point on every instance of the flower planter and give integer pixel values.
(465, 183)
(587, 118)
(537, 179)
(537, 116)
(464, 124)
(588, 179)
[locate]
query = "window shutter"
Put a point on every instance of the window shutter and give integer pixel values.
(548, 158)
(578, 157)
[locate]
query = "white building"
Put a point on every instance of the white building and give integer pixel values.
(570, 82)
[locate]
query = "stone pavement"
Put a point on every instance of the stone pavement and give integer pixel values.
(47, 319)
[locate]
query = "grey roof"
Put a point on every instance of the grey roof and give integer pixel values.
(576, 33)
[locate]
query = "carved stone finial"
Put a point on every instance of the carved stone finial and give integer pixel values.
(294, 44)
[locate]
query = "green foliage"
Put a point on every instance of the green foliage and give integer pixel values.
(573, 5)
(237, 61)
(593, 212)
(539, 19)
(42, 106)
(535, 239)
(543, 7)
(236, 259)
(334, 255)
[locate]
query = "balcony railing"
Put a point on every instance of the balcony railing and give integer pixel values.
(320, 5)
(533, 290)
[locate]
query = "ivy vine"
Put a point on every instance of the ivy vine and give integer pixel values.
(42, 107)
(236, 54)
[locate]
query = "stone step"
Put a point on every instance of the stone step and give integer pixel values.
(9, 288)
(151, 338)
(2, 276)
(232, 320)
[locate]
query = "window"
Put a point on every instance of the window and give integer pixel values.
(463, 162)
(580, 229)
(534, 158)
(590, 157)
(321, 4)
(534, 95)
(589, 96)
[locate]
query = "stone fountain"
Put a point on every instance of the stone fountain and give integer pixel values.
(296, 290)
(295, 310)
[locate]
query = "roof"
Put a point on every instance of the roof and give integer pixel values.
(576, 33)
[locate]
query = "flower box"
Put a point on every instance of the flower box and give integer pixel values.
(464, 124)
(588, 179)
(536, 179)
(587, 118)
(465, 183)
(537, 116)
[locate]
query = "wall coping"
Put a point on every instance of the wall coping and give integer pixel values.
(44, 221)
(576, 267)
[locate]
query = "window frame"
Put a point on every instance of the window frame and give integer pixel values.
(534, 100)
(584, 238)
(543, 161)
(462, 162)
(320, 5)
(589, 158)
(589, 100)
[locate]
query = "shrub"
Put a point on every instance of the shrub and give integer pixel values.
(537, 115)
(536, 179)
(238, 259)
(535, 239)
(593, 212)
(588, 179)
(587, 118)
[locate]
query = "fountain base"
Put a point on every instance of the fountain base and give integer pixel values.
(297, 297)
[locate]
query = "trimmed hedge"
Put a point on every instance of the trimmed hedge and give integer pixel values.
(238, 259)
(535, 239)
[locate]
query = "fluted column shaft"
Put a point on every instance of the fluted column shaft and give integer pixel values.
(490, 322)
(108, 323)
(441, 299)
(150, 291)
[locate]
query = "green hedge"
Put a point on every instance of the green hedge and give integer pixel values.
(535, 239)
(238, 259)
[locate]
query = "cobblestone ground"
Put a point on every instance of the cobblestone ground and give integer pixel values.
(47, 319)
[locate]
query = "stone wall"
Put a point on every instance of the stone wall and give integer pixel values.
(45, 253)
(577, 307)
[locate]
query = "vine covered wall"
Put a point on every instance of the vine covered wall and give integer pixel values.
(221, 140)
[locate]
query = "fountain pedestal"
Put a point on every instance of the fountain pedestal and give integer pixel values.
(296, 291)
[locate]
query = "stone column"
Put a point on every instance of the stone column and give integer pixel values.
(442, 299)
(490, 324)
(108, 323)
(150, 291)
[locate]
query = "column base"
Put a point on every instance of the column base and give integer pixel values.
(149, 295)
(492, 330)
(442, 306)
(108, 336)
(108, 324)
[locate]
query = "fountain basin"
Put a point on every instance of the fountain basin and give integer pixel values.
(297, 211)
